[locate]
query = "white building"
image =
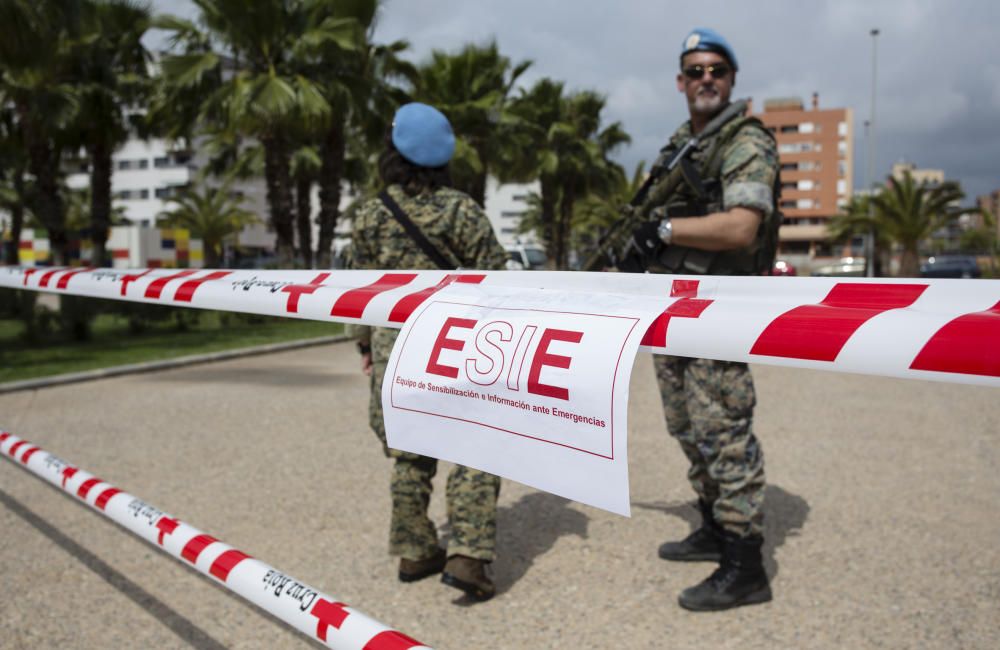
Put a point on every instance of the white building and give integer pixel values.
(505, 205)
(147, 173)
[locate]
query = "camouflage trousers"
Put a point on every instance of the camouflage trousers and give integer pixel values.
(709, 410)
(471, 496)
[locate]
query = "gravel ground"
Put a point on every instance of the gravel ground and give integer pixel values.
(883, 518)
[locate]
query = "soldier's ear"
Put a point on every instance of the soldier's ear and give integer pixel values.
(680, 82)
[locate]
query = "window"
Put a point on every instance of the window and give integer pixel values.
(804, 204)
(793, 128)
(841, 187)
(125, 165)
(807, 127)
(842, 129)
(161, 161)
(789, 167)
(842, 147)
(511, 214)
(508, 231)
(791, 185)
(805, 185)
(842, 168)
(788, 205)
(796, 147)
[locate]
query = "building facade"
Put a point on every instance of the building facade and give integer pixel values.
(815, 148)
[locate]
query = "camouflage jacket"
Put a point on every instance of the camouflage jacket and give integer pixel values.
(749, 166)
(449, 219)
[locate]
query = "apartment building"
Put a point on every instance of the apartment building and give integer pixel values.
(815, 148)
(146, 174)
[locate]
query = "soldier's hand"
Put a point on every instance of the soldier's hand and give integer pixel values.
(366, 364)
(646, 238)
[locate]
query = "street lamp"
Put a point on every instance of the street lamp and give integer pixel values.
(870, 129)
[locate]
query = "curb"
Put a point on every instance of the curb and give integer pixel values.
(166, 364)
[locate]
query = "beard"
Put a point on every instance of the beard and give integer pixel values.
(707, 102)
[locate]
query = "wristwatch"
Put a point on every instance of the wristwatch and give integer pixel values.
(665, 231)
(364, 348)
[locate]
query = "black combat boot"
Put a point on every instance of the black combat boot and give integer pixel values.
(703, 545)
(739, 580)
(469, 575)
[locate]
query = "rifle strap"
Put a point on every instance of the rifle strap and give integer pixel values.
(414, 232)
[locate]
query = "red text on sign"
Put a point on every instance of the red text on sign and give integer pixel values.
(493, 357)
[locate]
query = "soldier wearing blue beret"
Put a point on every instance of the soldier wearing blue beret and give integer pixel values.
(456, 233)
(711, 208)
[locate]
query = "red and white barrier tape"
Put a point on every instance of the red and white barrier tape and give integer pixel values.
(306, 609)
(946, 330)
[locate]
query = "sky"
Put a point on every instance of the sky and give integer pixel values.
(937, 64)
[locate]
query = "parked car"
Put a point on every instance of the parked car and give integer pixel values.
(950, 266)
(781, 267)
(851, 267)
(520, 257)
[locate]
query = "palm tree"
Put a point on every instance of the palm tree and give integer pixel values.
(13, 184)
(112, 78)
(213, 214)
(569, 154)
(905, 213)
(472, 87)
(36, 80)
(306, 165)
(270, 46)
(596, 213)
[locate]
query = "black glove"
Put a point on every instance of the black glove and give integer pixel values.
(647, 239)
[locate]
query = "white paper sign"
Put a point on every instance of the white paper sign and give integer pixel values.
(531, 385)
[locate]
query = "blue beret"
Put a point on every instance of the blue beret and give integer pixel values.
(703, 39)
(423, 135)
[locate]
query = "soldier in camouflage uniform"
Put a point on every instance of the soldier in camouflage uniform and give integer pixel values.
(414, 170)
(721, 221)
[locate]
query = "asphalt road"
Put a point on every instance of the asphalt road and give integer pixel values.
(883, 518)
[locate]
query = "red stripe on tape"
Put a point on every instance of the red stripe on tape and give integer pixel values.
(86, 486)
(64, 280)
(14, 447)
(407, 304)
(969, 345)
(28, 454)
(186, 291)
(166, 525)
(819, 332)
(67, 474)
(128, 279)
(296, 290)
(27, 274)
(352, 304)
(105, 496)
(686, 307)
(226, 563)
(194, 548)
(391, 640)
(329, 614)
(44, 280)
(155, 287)
(3, 436)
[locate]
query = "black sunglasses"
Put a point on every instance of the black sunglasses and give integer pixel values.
(696, 72)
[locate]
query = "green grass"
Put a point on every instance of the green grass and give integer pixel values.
(112, 344)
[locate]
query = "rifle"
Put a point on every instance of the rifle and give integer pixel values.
(615, 248)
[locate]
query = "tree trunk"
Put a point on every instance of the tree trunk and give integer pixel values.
(16, 217)
(100, 201)
(211, 251)
(478, 188)
(565, 220)
(47, 204)
(548, 208)
(277, 177)
(303, 188)
(331, 173)
(909, 262)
